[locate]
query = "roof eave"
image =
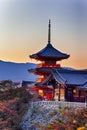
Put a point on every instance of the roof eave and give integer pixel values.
(38, 57)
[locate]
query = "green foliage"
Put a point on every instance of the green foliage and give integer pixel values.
(18, 92)
(6, 84)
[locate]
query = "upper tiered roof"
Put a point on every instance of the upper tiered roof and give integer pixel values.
(49, 52)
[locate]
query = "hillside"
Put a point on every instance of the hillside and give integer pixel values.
(16, 71)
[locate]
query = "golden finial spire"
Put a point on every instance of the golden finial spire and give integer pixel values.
(49, 31)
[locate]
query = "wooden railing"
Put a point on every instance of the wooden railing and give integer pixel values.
(56, 104)
(49, 65)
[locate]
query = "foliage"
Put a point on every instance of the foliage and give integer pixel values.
(17, 92)
(8, 84)
(14, 103)
(61, 118)
(71, 119)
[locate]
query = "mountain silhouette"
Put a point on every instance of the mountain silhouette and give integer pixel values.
(16, 71)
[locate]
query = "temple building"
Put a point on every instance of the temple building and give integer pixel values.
(56, 82)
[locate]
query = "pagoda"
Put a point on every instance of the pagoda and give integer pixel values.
(49, 57)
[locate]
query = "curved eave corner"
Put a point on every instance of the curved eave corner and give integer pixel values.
(67, 56)
(58, 77)
(33, 56)
(31, 70)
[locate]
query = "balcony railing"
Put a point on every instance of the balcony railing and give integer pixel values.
(49, 65)
(56, 104)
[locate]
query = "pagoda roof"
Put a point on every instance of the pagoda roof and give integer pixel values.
(40, 71)
(49, 52)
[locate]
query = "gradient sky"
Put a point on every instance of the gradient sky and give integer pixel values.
(24, 29)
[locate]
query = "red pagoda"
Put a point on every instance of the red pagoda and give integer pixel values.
(49, 56)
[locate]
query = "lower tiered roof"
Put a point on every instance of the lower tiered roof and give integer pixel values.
(68, 77)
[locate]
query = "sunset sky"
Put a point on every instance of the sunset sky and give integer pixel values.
(24, 29)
